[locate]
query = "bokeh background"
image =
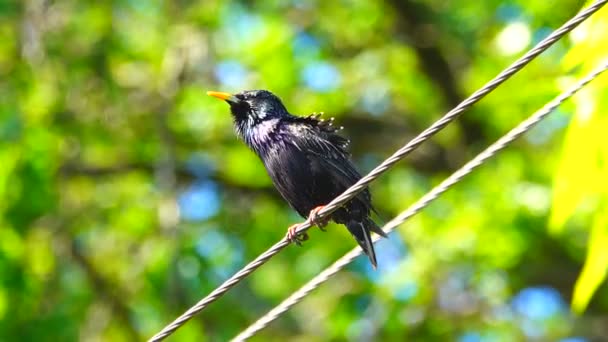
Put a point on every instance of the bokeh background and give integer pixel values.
(126, 197)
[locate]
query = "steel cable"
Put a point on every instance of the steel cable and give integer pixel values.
(425, 200)
(375, 173)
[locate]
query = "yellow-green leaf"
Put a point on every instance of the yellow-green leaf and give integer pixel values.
(574, 178)
(596, 264)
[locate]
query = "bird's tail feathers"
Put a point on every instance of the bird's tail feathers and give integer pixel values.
(374, 227)
(361, 231)
(380, 218)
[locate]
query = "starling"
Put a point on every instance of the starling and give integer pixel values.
(306, 159)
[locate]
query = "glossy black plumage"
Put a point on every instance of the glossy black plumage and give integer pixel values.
(306, 159)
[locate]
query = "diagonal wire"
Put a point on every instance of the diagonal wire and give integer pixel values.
(375, 173)
(425, 200)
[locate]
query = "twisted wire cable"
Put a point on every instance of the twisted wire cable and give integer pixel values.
(375, 173)
(425, 200)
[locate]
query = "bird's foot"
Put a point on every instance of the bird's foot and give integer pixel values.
(313, 217)
(293, 236)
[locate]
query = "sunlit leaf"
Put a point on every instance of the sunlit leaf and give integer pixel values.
(582, 175)
(575, 175)
(596, 265)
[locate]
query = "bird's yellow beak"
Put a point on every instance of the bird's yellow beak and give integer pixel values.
(223, 96)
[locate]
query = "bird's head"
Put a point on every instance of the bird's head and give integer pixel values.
(251, 107)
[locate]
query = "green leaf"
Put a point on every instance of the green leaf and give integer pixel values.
(581, 172)
(574, 178)
(596, 264)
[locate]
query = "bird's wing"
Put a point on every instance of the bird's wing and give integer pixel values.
(319, 140)
(310, 166)
(324, 129)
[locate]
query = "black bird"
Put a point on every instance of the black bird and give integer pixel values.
(306, 159)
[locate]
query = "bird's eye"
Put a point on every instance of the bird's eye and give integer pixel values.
(242, 107)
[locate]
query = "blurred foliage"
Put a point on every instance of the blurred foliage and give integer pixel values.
(126, 196)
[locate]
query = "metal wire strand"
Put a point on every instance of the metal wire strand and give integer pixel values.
(375, 173)
(500, 144)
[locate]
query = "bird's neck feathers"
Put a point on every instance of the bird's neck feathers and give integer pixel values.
(259, 135)
(247, 119)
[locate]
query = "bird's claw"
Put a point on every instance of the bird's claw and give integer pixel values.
(294, 237)
(313, 217)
